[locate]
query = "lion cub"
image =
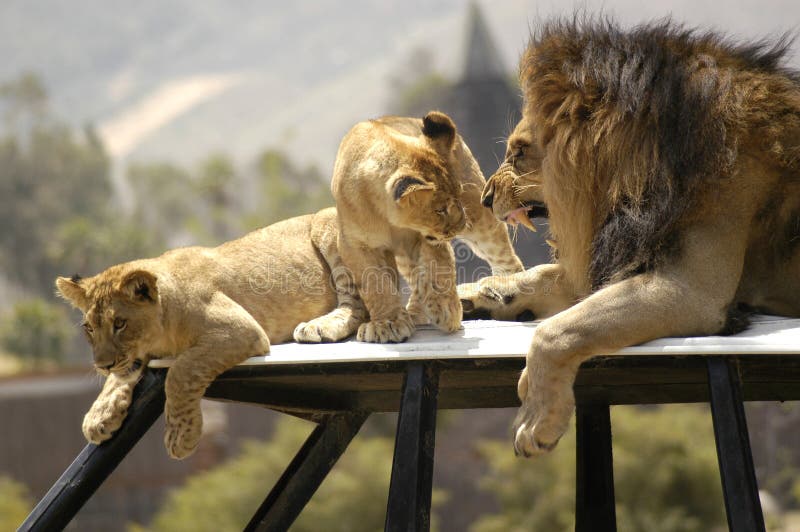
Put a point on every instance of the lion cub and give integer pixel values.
(212, 308)
(404, 188)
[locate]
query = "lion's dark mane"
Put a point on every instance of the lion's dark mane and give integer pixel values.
(668, 84)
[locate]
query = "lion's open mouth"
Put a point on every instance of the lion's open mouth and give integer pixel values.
(525, 214)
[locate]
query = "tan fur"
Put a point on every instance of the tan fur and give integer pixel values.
(211, 308)
(384, 223)
(730, 222)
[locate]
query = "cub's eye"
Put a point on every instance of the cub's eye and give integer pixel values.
(87, 328)
(119, 324)
(441, 212)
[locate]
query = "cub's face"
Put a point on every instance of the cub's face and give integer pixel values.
(428, 203)
(515, 191)
(425, 186)
(122, 317)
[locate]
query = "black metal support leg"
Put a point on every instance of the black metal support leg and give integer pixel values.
(409, 507)
(306, 472)
(594, 497)
(96, 462)
(739, 486)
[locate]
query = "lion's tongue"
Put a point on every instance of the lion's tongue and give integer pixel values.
(520, 216)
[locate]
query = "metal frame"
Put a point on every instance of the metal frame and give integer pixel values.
(306, 471)
(93, 465)
(411, 485)
(739, 486)
(594, 470)
(426, 385)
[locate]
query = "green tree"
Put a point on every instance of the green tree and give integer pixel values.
(286, 190)
(15, 503)
(215, 185)
(351, 499)
(665, 476)
(36, 331)
(47, 175)
(165, 198)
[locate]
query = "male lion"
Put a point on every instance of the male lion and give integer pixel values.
(211, 308)
(669, 163)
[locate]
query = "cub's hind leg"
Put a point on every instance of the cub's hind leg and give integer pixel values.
(431, 275)
(230, 336)
(350, 312)
(375, 275)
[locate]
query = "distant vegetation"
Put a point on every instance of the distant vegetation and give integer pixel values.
(60, 216)
(15, 503)
(351, 499)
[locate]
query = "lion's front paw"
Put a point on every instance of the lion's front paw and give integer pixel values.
(183, 433)
(547, 406)
(385, 331)
(490, 298)
(105, 417)
(444, 312)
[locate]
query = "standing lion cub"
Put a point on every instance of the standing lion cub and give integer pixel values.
(212, 308)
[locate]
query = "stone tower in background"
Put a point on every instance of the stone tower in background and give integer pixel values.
(484, 102)
(485, 105)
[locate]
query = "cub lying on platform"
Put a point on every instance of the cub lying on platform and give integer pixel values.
(211, 308)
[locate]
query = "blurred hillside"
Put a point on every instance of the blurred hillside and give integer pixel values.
(175, 80)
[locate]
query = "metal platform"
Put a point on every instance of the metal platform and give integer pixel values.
(339, 385)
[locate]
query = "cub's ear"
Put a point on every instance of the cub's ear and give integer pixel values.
(140, 286)
(405, 186)
(72, 290)
(440, 129)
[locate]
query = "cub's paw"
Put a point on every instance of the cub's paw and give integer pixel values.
(386, 331)
(444, 312)
(332, 327)
(105, 417)
(416, 313)
(183, 433)
(319, 330)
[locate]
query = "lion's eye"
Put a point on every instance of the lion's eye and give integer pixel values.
(517, 153)
(87, 328)
(119, 324)
(441, 212)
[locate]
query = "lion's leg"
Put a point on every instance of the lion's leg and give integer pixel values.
(690, 297)
(537, 293)
(230, 336)
(434, 278)
(350, 311)
(375, 275)
(487, 236)
(110, 408)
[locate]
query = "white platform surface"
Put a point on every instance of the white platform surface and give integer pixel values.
(496, 339)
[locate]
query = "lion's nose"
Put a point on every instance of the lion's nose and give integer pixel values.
(488, 197)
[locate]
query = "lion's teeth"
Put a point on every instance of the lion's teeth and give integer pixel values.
(520, 216)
